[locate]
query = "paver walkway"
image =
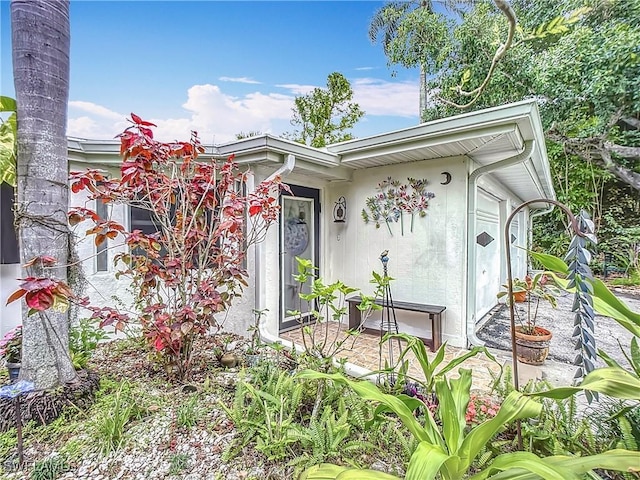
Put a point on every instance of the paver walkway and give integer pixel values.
(365, 352)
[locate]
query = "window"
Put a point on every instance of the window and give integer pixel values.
(102, 254)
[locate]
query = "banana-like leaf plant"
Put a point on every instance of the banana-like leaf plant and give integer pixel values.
(447, 450)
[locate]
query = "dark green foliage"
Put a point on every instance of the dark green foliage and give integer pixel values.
(325, 115)
(49, 469)
(581, 61)
(273, 411)
(560, 430)
(83, 340)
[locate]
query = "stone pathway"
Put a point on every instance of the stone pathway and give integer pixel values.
(365, 352)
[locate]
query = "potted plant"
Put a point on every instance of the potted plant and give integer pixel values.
(532, 341)
(11, 351)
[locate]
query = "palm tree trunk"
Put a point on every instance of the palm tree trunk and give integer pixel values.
(41, 36)
(423, 92)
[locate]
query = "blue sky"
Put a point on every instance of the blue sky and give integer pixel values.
(220, 67)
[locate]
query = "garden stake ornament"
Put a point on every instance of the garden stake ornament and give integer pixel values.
(576, 230)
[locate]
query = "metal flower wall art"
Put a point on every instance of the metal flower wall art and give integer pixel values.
(394, 200)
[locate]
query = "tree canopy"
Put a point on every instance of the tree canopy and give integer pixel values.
(581, 60)
(324, 116)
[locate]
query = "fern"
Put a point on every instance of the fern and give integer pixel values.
(627, 439)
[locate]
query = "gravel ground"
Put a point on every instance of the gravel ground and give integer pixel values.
(152, 444)
(495, 330)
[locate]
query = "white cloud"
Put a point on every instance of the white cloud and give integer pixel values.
(218, 116)
(297, 89)
(239, 80)
(380, 97)
(95, 109)
(365, 68)
(90, 120)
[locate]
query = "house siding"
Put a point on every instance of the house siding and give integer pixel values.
(428, 264)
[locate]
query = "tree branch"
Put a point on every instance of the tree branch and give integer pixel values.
(594, 149)
(631, 153)
(502, 50)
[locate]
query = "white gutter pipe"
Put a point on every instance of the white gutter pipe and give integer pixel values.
(260, 257)
(260, 261)
(523, 156)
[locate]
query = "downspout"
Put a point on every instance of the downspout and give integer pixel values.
(259, 260)
(529, 146)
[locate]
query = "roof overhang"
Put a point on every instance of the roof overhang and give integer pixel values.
(485, 136)
(259, 150)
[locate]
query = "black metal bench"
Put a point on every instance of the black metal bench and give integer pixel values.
(434, 312)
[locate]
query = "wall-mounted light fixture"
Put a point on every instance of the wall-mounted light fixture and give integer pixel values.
(340, 210)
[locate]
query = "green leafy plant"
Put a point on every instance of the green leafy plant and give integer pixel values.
(254, 330)
(432, 368)
(448, 449)
(322, 340)
(188, 413)
(178, 463)
(445, 450)
(83, 340)
(327, 436)
(537, 287)
(50, 468)
(265, 413)
(8, 142)
(117, 409)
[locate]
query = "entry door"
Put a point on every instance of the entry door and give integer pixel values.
(299, 237)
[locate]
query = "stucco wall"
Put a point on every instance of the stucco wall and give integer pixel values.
(428, 264)
(103, 289)
(10, 315)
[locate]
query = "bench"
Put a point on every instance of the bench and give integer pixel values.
(434, 312)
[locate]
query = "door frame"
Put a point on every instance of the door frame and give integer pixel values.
(297, 191)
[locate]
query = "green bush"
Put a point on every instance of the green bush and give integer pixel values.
(83, 340)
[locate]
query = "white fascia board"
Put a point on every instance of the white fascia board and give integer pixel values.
(268, 142)
(336, 173)
(253, 149)
(417, 142)
(466, 122)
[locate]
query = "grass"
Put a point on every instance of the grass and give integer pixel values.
(632, 280)
(50, 468)
(188, 413)
(178, 463)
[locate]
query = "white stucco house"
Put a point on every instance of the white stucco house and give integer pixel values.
(478, 165)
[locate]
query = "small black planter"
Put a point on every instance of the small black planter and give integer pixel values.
(14, 370)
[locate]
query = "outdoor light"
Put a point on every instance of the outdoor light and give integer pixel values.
(340, 210)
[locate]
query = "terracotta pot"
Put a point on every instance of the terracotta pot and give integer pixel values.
(520, 296)
(533, 349)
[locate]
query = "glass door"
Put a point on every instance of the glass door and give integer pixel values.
(299, 234)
